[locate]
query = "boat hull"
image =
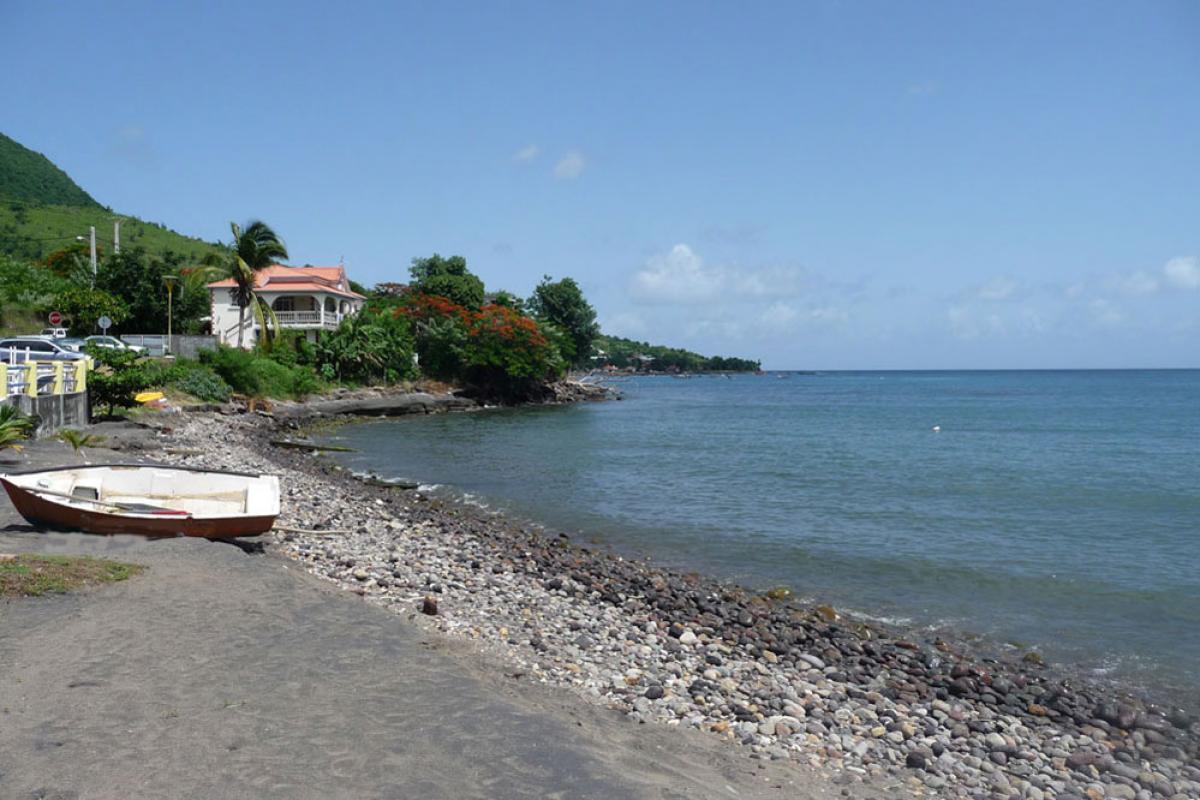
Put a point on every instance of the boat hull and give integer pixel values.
(43, 512)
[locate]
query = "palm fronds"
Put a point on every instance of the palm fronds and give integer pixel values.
(253, 249)
(14, 427)
(79, 440)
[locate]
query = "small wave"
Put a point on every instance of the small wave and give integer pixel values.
(472, 500)
(862, 616)
(881, 619)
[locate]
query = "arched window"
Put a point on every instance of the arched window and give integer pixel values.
(330, 305)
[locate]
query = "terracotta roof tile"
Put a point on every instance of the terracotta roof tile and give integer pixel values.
(282, 278)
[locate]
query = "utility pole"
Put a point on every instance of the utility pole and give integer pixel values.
(170, 281)
(116, 236)
(92, 229)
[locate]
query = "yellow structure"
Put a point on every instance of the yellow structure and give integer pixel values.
(66, 377)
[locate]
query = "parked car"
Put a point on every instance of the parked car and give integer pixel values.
(54, 333)
(113, 343)
(74, 345)
(19, 349)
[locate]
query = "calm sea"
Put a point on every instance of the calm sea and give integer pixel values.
(1053, 509)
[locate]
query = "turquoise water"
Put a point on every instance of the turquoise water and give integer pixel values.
(1056, 509)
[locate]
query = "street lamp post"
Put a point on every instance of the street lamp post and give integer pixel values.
(170, 281)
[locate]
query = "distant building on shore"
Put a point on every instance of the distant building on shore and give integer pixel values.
(640, 362)
(309, 299)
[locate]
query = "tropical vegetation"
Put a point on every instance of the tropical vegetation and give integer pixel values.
(117, 378)
(449, 278)
(567, 316)
(624, 353)
(252, 250)
(15, 427)
(42, 211)
(440, 323)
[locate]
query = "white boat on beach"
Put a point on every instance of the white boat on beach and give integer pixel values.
(148, 500)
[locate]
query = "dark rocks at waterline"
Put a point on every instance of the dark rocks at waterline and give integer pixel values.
(375, 405)
(778, 678)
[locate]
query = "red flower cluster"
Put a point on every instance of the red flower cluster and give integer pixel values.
(496, 337)
(507, 324)
(424, 307)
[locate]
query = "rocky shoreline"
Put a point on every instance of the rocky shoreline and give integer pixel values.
(868, 703)
(395, 402)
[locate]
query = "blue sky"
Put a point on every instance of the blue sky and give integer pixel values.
(822, 185)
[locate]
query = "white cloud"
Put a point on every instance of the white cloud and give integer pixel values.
(679, 276)
(1105, 314)
(779, 315)
(1002, 288)
(1138, 282)
(965, 323)
(772, 281)
(570, 166)
(828, 315)
(527, 153)
(1183, 272)
(1032, 321)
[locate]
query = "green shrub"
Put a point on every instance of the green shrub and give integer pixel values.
(292, 348)
(198, 380)
(203, 384)
(369, 347)
(256, 375)
(118, 376)
(26, 283)
(305, 382)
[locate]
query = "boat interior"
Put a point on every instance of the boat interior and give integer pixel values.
(200, 494)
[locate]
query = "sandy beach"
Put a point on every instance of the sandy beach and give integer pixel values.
(550, 670)
(218, 673)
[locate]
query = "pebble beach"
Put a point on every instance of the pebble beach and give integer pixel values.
(876, 708)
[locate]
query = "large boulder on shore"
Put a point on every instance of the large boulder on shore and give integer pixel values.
(386, 405)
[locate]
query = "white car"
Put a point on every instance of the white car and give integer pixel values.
(54, 333)
(113, 343)
(20, 349)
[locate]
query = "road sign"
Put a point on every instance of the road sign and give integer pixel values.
(105, 323)
(55, 318)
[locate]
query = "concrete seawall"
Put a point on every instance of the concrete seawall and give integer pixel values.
(54, 412)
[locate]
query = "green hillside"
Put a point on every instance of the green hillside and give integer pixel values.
(32, 232)
(622, 352)
(43, 210)
(29, 176)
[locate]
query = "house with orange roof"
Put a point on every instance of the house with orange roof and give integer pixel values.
(309, 299)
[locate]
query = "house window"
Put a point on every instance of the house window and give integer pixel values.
(330, 305)
(284, 304)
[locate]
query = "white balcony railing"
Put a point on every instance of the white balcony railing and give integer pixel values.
(308, 319)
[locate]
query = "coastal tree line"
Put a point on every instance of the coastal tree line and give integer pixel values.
(441, 323)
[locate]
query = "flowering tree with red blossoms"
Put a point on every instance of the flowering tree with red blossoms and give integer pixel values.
(495, 351)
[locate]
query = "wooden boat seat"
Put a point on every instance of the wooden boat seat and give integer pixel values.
(86, 492)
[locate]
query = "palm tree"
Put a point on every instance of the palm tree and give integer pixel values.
(14, 426)
(79, 440)
(252, 250)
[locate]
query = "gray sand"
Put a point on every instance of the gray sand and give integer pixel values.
(218, 674)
